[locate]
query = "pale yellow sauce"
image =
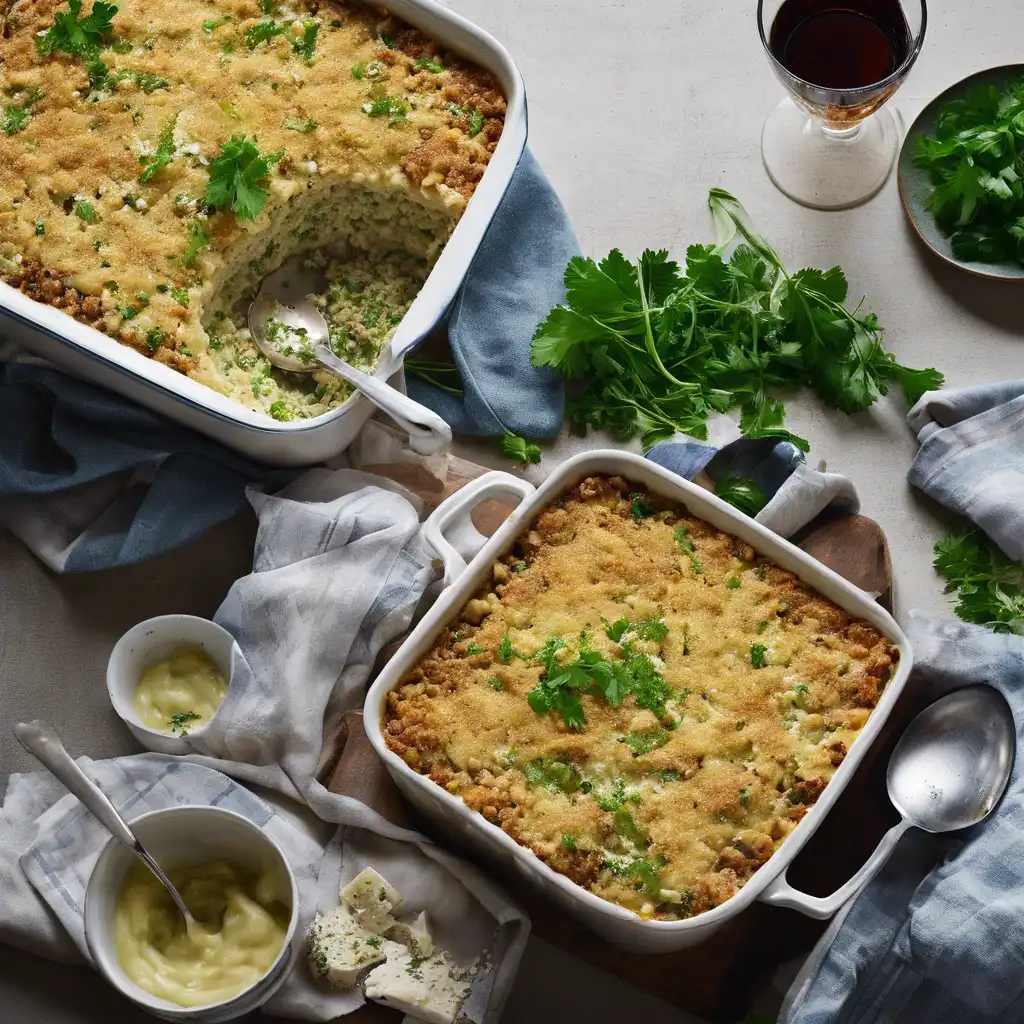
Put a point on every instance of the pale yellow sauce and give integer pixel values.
(181, 693)
(240, 927)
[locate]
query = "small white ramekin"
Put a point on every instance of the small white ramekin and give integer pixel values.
(180, 837)
(153, 641)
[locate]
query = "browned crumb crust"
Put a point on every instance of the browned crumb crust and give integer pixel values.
(668, 804)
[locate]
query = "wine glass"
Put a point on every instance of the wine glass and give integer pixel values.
(830, 144)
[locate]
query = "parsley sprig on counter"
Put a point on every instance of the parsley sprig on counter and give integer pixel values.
(989, 586)
(976, 164)
(238, 177)
(656, 350)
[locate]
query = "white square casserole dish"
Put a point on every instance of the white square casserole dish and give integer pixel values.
(89, 354)
(614, 923)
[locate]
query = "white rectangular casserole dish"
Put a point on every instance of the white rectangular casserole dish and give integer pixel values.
(89, 354)
(451, 534)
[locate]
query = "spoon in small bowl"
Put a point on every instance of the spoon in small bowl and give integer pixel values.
(41, 740)
(292, 333)
(948, 771)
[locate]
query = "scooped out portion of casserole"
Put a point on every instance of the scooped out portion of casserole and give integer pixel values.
(158, 159)
(641, 700)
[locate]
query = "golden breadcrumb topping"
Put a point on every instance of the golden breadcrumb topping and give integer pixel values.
(641, 700)
(157, 159)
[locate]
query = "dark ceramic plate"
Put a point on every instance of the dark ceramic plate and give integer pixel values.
(915, 184)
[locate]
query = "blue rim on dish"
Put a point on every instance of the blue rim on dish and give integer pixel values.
(915, 182)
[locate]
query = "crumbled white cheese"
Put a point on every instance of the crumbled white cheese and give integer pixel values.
(430, 989)
(371, 891)
(415, 934)
(340, 950)
(376, 920)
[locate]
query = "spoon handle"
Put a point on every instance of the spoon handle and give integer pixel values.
(428, 433)
(42, 741)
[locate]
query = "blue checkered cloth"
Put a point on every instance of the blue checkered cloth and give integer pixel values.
(938, 936)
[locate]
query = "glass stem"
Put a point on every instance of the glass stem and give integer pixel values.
(842, 134)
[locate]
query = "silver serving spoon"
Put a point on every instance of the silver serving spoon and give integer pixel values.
(948, 772)
(284, 296)
(42, 741)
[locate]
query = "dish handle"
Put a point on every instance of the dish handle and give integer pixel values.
(452, 519)
(779, 893)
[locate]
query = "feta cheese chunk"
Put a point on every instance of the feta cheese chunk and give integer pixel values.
(341, 950)
(376, 920)
(371, 891)
(430, 989)
(415, 934)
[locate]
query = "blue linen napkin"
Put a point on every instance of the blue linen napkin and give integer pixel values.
(91, 480)
(938, 936)
(972, 457)
(516, 277)
(67, 447)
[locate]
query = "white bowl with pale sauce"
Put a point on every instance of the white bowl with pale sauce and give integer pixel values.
(238, 885)
(168, 676)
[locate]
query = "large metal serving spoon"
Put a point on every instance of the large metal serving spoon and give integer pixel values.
(41, 740)
(948, 772)
(284, 296)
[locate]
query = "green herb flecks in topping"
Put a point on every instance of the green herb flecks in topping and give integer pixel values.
(154, 338)
(238, 177)
(429, 64)
(649, 689)
(643, 629)
(641, 508)
(289, 340)
(989, 587)
(180, 295)
(266, 6)
(198, 238)
(263, 30)
(762, 626)
(15, 116)
(644, 742)
(745, 796)
(758, 655)
(79, 38)
(394, 109)
(305, 44)
(519, 449)
(569, 842)
(388, 41)
(613, 797)
(212, 24)
(554, 775)
(162, 155)
(473, 648)
(741, 493)
(180, 722)
(505, 650)
(300, 124)
(495, 683)
(656, 349)
(476, 122)
(733, 583)
(84, 210)
(40, 228)
(626, 827)
(281, 411)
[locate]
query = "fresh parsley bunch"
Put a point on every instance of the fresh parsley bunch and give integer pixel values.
(656, 349)
(976, 161)
(988, 586)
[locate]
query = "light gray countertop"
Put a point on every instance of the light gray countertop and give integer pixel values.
(636, 109)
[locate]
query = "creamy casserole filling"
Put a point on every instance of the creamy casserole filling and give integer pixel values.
(157, 160)
(641, 700)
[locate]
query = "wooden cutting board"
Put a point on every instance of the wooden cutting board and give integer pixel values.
(717, 979)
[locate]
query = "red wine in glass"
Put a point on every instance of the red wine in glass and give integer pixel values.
(836, 45)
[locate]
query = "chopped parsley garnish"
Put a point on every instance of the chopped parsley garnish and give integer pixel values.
(281, 411)
(554, 775)
(519, 449)
(640, 507)
(505, 651)
(429, 64)
(745, 796)
(681, 535)
(758, 655)
(733, 583)
(394, 109)
(79, 38)
(154, 338)
(495, 683)
(644, 742)
(762, 626)
(472, 648)
(300, 124)
(264, 29)
(162, 155)
(198, 238)
(84, 210)
(305, 45)
(626, 827)
(40, 228)
(569, 842)
(618, 795)
(210, 26)
(476, 122)
(237, 178)
(14, 118)
(388, 41)
(266, 6)
(374, 941)
(180, 295)
(179, 722)
(643, 629)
